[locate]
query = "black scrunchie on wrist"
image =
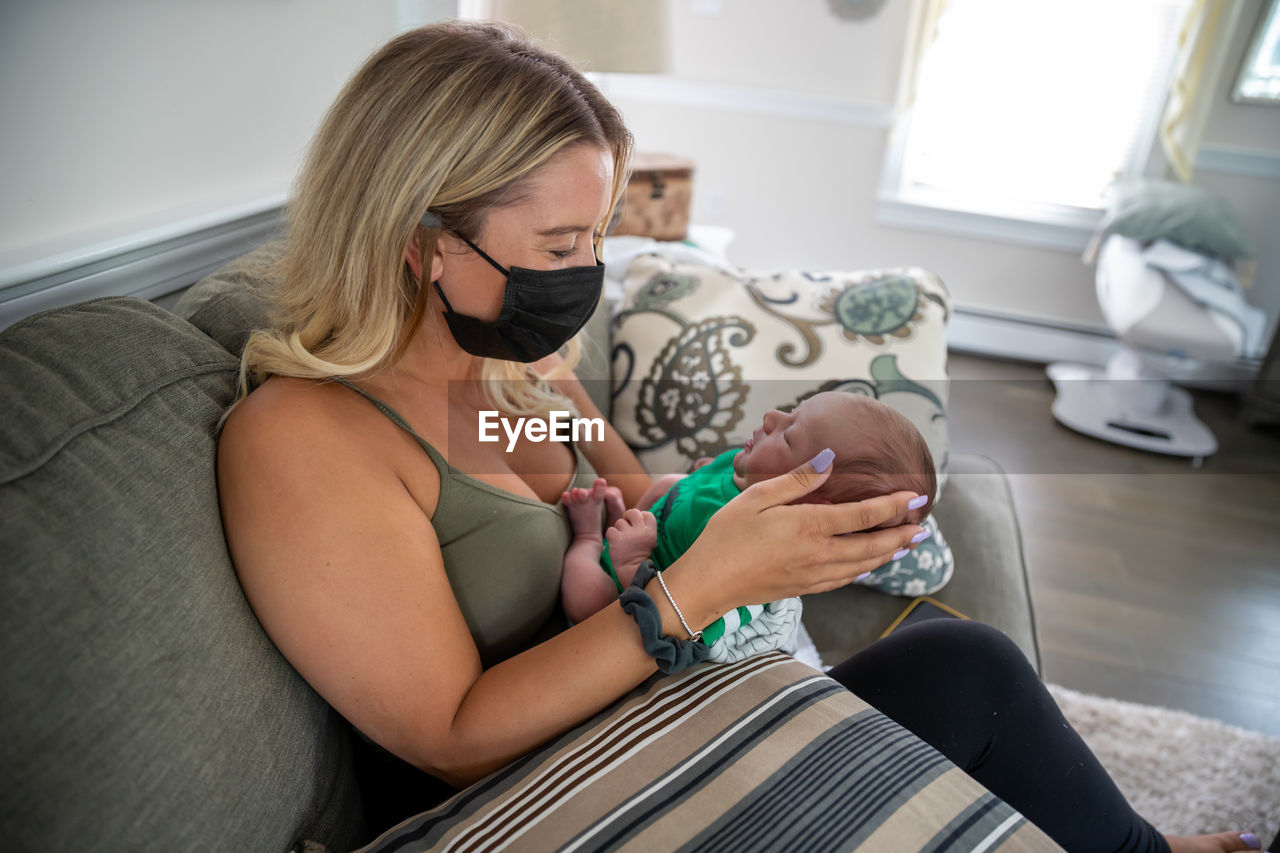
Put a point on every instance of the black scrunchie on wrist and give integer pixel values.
(672, 654)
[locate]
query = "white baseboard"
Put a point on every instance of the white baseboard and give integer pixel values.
(991, 333)
(147, 266)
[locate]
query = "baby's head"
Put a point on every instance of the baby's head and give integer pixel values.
(878, 451)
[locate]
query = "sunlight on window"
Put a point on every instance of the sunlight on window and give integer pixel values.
(1039, 103)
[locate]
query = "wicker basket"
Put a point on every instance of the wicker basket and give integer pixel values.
(658, 198)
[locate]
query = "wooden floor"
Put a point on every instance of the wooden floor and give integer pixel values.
(1153, 581)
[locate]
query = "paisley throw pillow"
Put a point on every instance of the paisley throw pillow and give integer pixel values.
(702, 351)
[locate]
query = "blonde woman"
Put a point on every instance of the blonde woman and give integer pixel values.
(442, 248)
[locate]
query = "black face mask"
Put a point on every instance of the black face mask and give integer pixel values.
(541, 311)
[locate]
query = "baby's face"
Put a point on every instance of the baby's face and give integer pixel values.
(786, 440)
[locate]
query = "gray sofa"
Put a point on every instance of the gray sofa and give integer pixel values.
(144, 708)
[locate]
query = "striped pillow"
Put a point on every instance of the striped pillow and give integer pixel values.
(765, 754)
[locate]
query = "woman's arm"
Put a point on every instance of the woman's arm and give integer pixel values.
(762, 546)
(342, 568)
(344, 572)
(611, 458)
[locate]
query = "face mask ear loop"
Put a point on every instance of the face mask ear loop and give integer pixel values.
(443, 298)
(497, 266)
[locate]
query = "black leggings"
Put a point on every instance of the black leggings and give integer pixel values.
(968, 691)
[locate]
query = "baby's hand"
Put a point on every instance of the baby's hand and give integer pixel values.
(631, 539)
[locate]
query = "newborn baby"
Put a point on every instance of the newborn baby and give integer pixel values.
(878, 451)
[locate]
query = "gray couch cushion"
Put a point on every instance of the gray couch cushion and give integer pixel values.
(144, 708)
(231, 302)
(990, 582)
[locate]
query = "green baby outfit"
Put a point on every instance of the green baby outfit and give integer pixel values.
(682, 513)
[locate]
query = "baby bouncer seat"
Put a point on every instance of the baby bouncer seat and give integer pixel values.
(1175, 309)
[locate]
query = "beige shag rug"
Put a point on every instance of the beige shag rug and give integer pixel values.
(1187, 775)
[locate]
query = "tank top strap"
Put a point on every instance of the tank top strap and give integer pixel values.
(397, 419)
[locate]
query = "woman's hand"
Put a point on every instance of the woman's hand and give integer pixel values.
(761, 546)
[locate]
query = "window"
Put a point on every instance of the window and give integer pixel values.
(1259, 80)
(1025, 112)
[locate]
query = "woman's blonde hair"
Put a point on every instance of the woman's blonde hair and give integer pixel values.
(449, 117)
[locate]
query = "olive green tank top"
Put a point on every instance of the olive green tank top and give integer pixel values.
(503, 553)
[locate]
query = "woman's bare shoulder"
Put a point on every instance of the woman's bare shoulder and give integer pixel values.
(285, 403)
(276, 436)
(304, 433)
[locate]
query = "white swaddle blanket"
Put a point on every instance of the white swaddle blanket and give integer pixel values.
(1211, 283)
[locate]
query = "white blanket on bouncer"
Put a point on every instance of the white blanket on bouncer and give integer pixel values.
(1211, 283)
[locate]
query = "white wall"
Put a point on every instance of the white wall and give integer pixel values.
(1239, 132)
(801, 191)
(1242, 125)
(795, 45)
(120, 116)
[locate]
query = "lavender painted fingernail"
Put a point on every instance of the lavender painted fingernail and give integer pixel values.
(898, 555)
(822, 461)
(917, 502)
(862, 576)
(920, 537)
(1252, 840)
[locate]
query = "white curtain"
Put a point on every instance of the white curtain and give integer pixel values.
(921, 32)
(1202, 53)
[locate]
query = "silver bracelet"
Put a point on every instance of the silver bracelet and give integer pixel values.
(671, 654)
(694, 636)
